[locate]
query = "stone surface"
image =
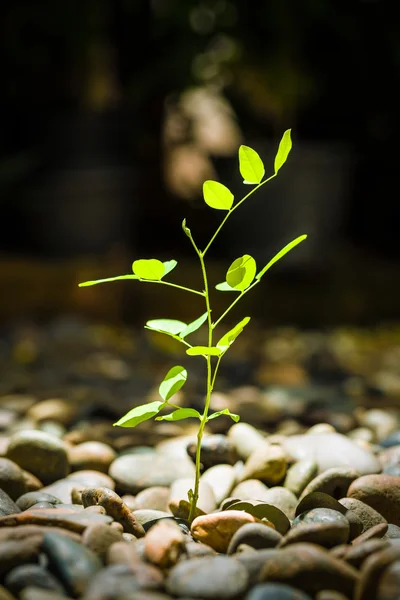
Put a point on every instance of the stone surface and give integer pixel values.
(154, 497)
(251, 489)
(217, 529)
(115, 507)
(221, 479)
(245, 439)
(300, 474)
(179, 491)
(215, 450)
(335, 482)
(256, 535)
(367, 515)
(39, 453)
(99, 537)
(7, 505)
(95, 456)
(27, 500)
(11, 478)
(19, 552)
(267, 463)
(275, 591)
(32, 575)
(164, 544)
(381, 492)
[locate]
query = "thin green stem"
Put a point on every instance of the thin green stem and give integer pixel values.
(231, 210)
(216, 371)
(235, 302)
(175, 285)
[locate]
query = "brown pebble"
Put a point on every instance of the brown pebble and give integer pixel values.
(375, 532)
(381, 492)
(357, 554)
(164, 544)
(122, 553)
(324, 534)
(98, 538)
(32, 483)
(25, 531)
(64, 518)
(372, 570)
(115, 507)
(19, 552)
(91, 455)
(217, 529)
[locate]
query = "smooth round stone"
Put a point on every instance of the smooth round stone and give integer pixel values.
(356, 554)
(372, 570)
(11, 478)
(155, 498)
(393, 532)
(221, 479)
(256, 535)
(217, 529)
(148, 515)
(14, 553)
(381, 492)
(90, 478)
(164, 544)
(114, 506)
(283, 499)
(7, 505)
(53, 409)
(34, 593)
(375, 532)
(99, 537)
(133, 473)
(392, 470)
(32, 575)
(179, 491)
(251, 489)
(335, 482)
(321, 515)
(300, 474)
(367, 515)
(327, 534)
(53, 428)
(393, 439)
(389, 583)
(332, 450)
(267, 463)
(245, 439)
(381, 422)
(310, 568)
(215, 449)
(62, 489)
(39, 453)
(72, 563)
(29, 499)
(32, 483)
(119, 581)
(275, 591)
(208, 578)
(390, 457)
(95, 456)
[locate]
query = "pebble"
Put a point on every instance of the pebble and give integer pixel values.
(275, 591)
(217, 529)
(310, 568)
(215, 450)
(90, 478)
(32, 483)
(381, 492)
(332, 450)
(393, 532)
(133, 473)
(19, 552)
(251, 489)
(256, 535)
(208, 578)
(356, 554)
(7, 505)
(221, 479)
(179, 492)
(11, 478)
(245, 439)
(154, 497)
(381, 422)
(327, 534)
(164, 544)
(335, 482)
(372, 570)
(119, 581)
(267, 463)
(32, 575)
(95, 456)
(66, 519)
(389, 583)
(34, 593)
(115, 507)
(39, 453)
(375, 532)
(283, 499)
(393, 439)
(72, 563)
(99, 537)
(269, 514)
(300, 474)
(367, 515)
(53, 409)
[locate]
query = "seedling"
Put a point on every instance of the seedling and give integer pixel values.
(241, 277)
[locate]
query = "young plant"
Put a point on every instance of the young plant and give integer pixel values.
(241, 277)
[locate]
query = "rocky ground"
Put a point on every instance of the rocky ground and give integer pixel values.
(299, 500)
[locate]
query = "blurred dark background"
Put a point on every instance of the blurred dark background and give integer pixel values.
(113, 113)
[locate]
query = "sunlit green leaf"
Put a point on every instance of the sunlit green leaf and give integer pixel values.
(241, 272)
(231, 335)
(193, 326)
(170, 326)
(285, 146)
(118, 278)
(172, 382)
(250, 165)
(169, 265)
(203, 351)
(140, 413)
(185, 229)
(280, 254)
(180, 414)
(152, 269)
(234, 417)
(225, 287)
(217, 195)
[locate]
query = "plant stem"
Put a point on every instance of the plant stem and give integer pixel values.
(175, 285)
(235, 301)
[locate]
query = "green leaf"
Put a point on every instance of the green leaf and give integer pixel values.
(169, 265)
(151, 269)
(180, 414)
(185, 229)
(225, 287)
(250, 165)
(141, 413)
(203, 351)
(172, 382)
(193, 326)
(234, 417)
(217, 195)
(170, 326)
(229, 337)
(118, 278)
(280, 254)
(284, 148)
(241, 272)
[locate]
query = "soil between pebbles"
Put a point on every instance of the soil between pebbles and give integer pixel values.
(299, 500)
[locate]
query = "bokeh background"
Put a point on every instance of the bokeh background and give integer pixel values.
(113, 113)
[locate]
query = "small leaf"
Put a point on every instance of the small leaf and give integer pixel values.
(280, 254)
(169, 265)
(140, 413)
(151, 269)
(172, 382)
(193, 326)
(118, 278)
(250, 165)
(185, 229)
(229, 337)
(170, 326)
(203, 351)
(180, 414)
(190, 495)
(285, 146)
(225, 287)
(234, 417)
(241, 272)
(217, 195)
